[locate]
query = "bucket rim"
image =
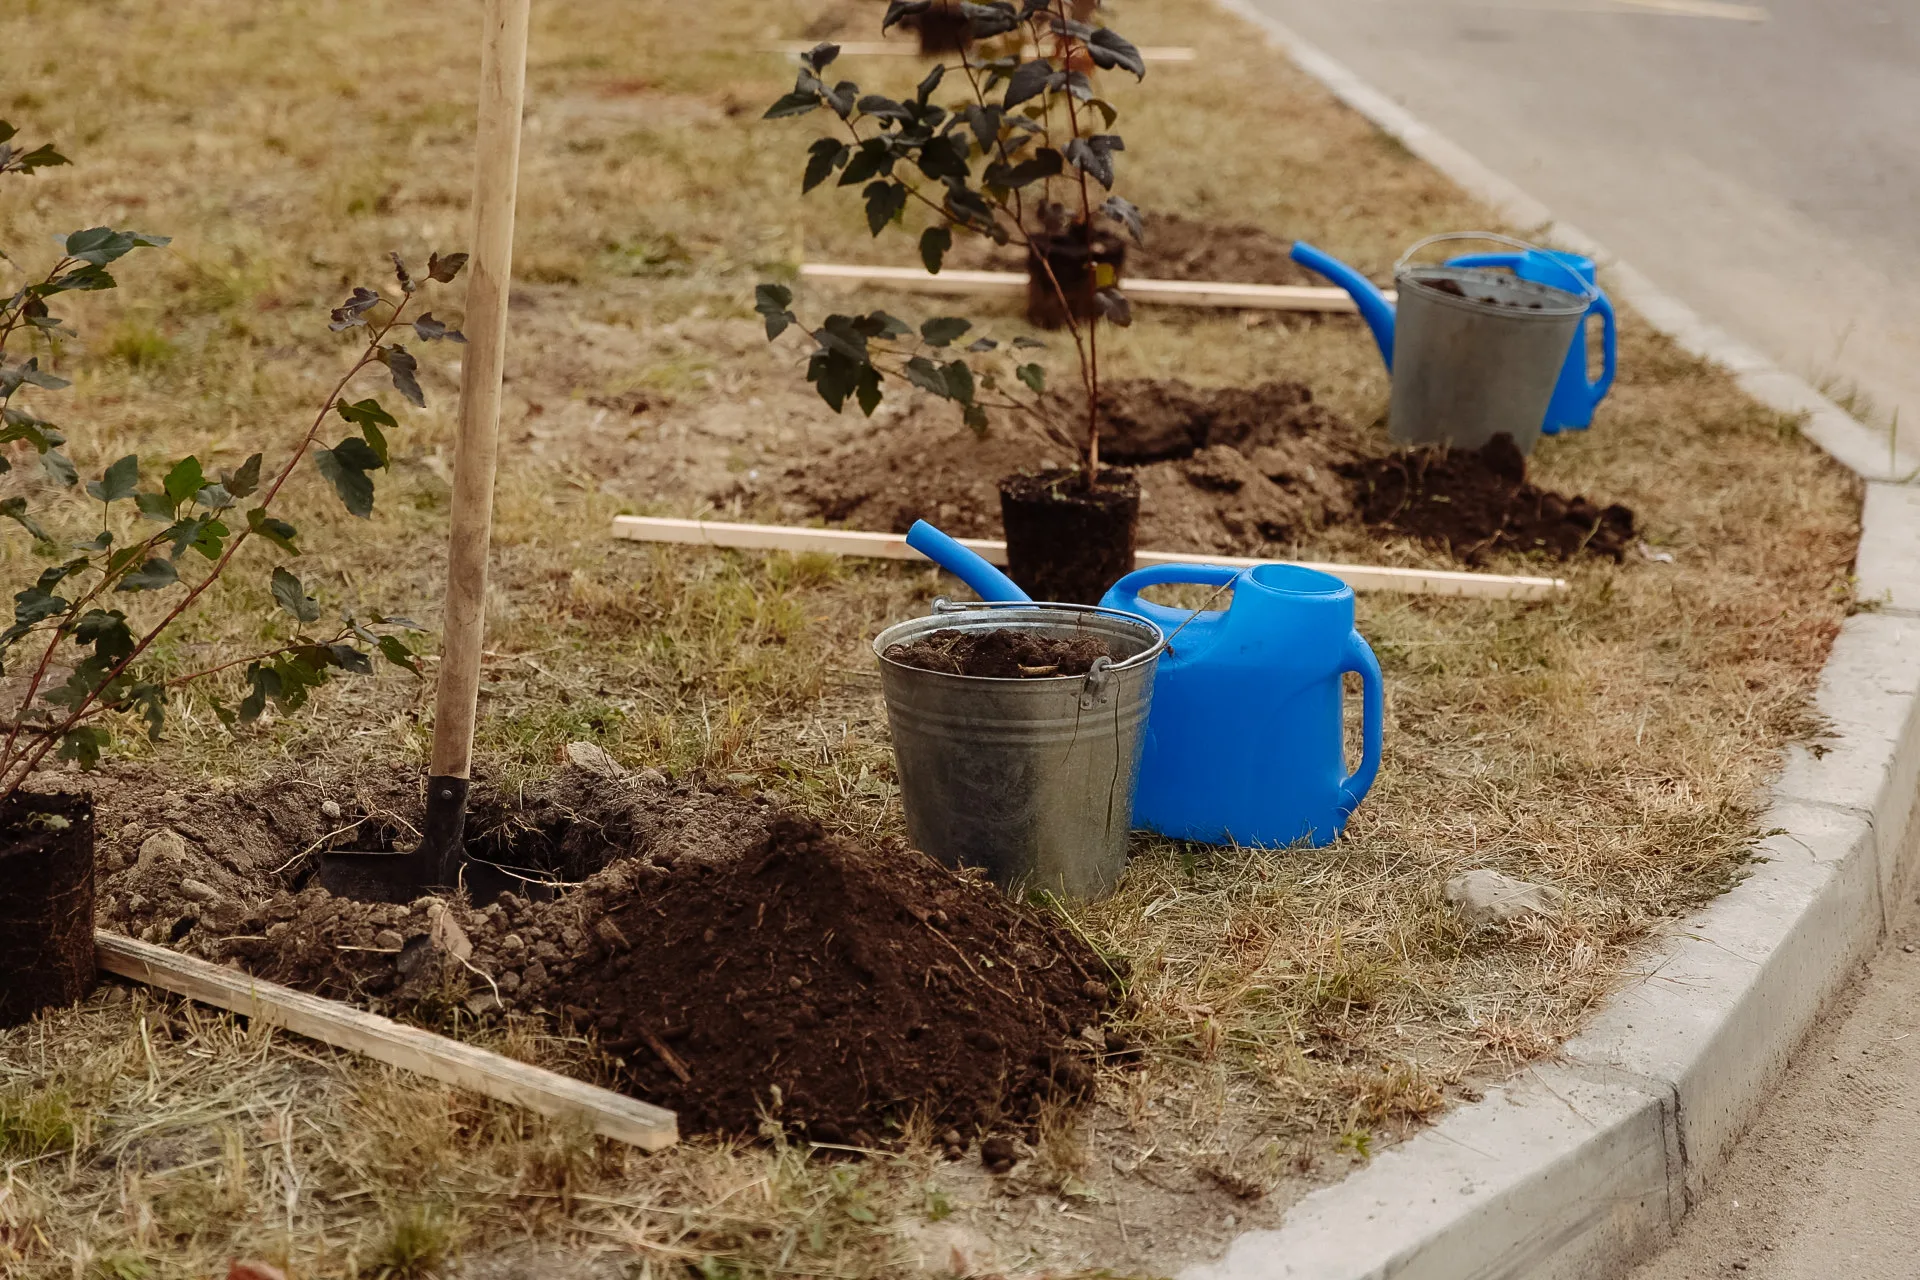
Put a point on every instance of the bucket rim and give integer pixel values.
(1555, 303)
(949, 611)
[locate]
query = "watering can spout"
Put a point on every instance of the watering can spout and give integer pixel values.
(1374, 307)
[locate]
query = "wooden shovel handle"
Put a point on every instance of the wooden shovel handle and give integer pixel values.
(503, 84)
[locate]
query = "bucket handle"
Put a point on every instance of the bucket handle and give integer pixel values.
(1359, 659)
(1581, 287)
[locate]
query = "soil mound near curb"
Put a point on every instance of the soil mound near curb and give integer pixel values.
(1231, 470)
(1476, 501)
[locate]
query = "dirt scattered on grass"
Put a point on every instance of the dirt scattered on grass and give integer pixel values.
(1476, 501)
(1001, 654)
(733, 962)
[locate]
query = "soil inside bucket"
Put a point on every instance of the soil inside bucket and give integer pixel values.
(1235, 470)
(46, 904)
(1002, 654)
(729, 960)
(1068, 541)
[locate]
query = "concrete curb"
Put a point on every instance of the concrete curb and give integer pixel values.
(1579, 1166)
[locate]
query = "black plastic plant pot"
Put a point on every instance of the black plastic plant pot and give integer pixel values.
(944, 29)
(1066, 541)
(1068, 265)
(46, 904)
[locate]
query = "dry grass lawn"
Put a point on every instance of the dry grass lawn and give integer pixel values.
(1300, 1007)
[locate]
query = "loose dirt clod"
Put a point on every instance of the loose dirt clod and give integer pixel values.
(1472, 501)
(1001, 654)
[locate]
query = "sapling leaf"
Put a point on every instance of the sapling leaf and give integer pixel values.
(1127, 215)
(403, 369)
(41, 157)
(995, 18)
(899, 9)
(934, 243)
(1029, 80)
(359, 414)
(1109, 48)
(771, 302)
(959, 381)
(292, 596)
(151, 701)
(59, 468)
(205, 534)
(444, 269)
(877, 104)
(100, 541)
(841, 98)
(184, 480)
(1023, 341)
(243, 482)
(353, 312)
(796, 103)
(821, 56)
(944, 157)
(84, 745)
(885, 200)
(106, 631)
(932, 81)
(348, 658)
(349, 481)
(395, 650)
(866, 389)
(151, 576)
(117, 482)
(1094, 156)
(214, 497)
(981, 345)
(823, 157)
(430, 330)
(273, 529)
(926, 375)
(400, 273)
(155, 506)
(97, 246)
(941, 331)
(1034, 376)
(873, 158)
(1114, 306)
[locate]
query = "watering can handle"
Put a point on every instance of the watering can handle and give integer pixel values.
(1373, 716)
(1125, 594)
(1511, 261)
(1609, 353)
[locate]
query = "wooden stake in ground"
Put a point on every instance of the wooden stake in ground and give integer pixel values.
(422, 1052)
(439, 855)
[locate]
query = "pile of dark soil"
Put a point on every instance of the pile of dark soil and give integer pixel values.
(1002, 654)
(1220, 469)
(732, 962)
(1176, 248)
(1473, 502)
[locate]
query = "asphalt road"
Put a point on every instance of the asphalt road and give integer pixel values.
(1761, 162)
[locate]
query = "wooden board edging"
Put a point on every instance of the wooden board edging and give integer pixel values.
(607, 1113)
(1174, 293)
(893, 546)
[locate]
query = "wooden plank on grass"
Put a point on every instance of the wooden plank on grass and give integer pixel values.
(422, 1052)
(1172, 293)
(893, 546)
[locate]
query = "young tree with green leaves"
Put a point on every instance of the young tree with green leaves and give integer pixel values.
(162, 536)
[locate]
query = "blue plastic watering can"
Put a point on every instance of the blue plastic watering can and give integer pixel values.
(1245, 740)
(1575, 396)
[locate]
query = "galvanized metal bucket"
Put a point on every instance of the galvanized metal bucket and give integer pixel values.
(1031, 779)
(1468, 366)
